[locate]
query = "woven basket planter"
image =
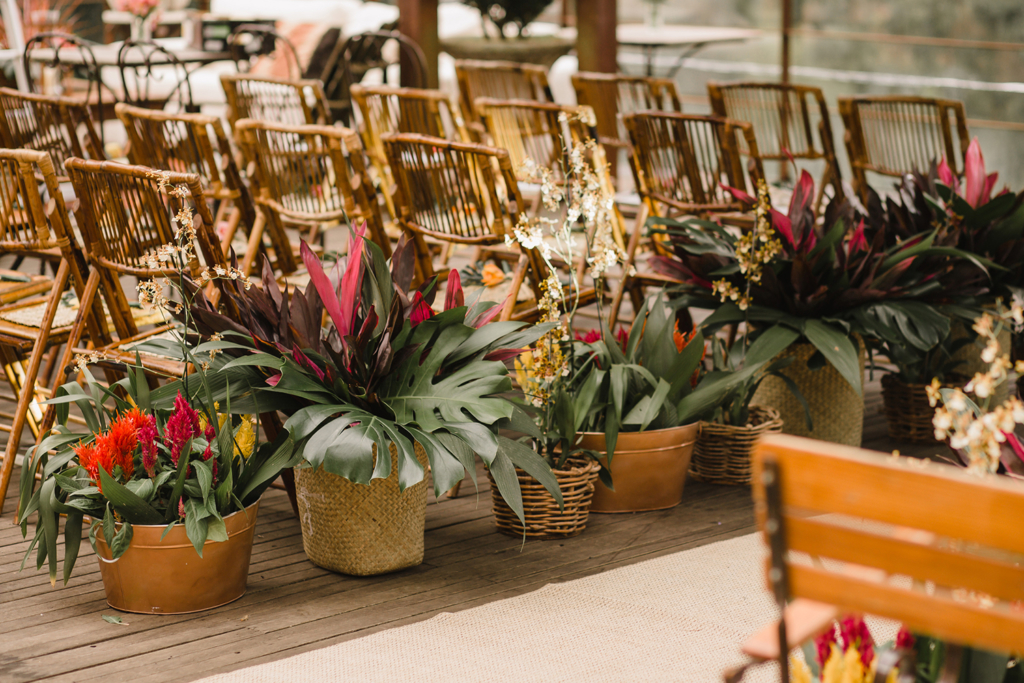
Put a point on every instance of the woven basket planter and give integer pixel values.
(543, 518)
(722, 454)
(837, 409)
(907, 411)
(362, 530)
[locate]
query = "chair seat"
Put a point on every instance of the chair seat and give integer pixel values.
(15, 285)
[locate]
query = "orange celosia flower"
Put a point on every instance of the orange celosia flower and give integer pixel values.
(682, 341)
(492, 275)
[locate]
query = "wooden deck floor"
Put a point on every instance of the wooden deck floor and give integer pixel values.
(57, 634)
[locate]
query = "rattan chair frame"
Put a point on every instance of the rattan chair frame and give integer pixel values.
(464, 193)
(680, 162)
(31, 223)
(907, 134)
(610, 95)
(141, 75)
(281, 100)
(57, 41)
(48, 123)
(193, 143)
(498, 80)
(289, 158)
(386, 109)
(782, 118)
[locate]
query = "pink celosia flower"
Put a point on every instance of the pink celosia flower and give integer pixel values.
(590, 337)
(823, 644)
(181, 508)
(855, 634)
(904, 639)
(182, 426)
(147, 440)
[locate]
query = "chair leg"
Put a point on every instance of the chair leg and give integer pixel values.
(255, 240)
(634, 242)
(28, 389)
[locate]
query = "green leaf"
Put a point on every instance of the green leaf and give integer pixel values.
(48, 520)
(504, 475)
(205, 477)
(528, 460)
(770, 343)
(216, 532)
(122, 539)
(141, 385)
(133, 508)
(167, 529)
(196, 525)
(72, 542)
(114, 620)
(648, 407)
(837, 348)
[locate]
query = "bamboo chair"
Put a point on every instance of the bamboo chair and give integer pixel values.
(466, 194)
(281, 100)
(193, 143)
(940, 526)
(61, 126)
(610, 95)
(385, 109)
(895, 135)
(680, 163)
(535, 131)
(782, 118)
(143, 65)
(307, 177)
(500, 80)
(31, 223)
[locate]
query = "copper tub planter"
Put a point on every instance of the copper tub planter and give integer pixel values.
(648, 469)
(169, 577)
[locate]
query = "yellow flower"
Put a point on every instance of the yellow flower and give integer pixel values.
(853, 669)
(799, 672)
(832, 672)
(245, 439)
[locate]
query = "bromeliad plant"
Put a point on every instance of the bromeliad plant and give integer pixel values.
(824, 283)
(386, 370)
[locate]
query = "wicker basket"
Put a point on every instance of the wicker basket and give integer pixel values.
(837, 409)
(722, 454)
(358, 529)
(543, 518)
(907, 411)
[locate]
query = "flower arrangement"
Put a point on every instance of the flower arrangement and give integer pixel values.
(847, 653)
(387, 369)
(821, 280)
(173, 455)
(982, 434)
(140, 8)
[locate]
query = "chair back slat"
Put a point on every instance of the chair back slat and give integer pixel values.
(896, 135)
(291, 102)
(926, 544)
(611, 95)
(59, 126)
(683, 160)
(29, 220)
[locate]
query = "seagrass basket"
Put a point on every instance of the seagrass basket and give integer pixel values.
(837, 409)
(722, 453)
(543, 518)
(907, 411)
(362, 530)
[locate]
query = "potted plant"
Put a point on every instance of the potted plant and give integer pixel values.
(506, 35)
(387, 389)
(823, 284)
(170, 479)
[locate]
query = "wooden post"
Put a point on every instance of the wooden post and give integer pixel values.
(787, 24)
(596, 45)
(418, 20)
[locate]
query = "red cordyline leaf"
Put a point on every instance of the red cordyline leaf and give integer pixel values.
(274, 379)
(453, 295)
(304, 360)
(803, 193)
(421, 310)
(352, 281)
(739, 194)
(323, 287)
(857, 241)
(503, 354)
(947, 177)
(974, 174)
(990, 182)
(784, 226)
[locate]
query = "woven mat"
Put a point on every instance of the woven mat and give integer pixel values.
(681, 617)
(32, 316)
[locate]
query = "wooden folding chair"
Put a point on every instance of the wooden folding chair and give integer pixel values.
(309, 178)
(465, 194)
(281, 100)
(386, 109)
(898, 134)
(610, 95)
(60, 126)
(34, 224)
(193, 143)
(500, 80)
(680, 163)
(782, 116)
(874, 518)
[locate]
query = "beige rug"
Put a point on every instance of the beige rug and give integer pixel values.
(681, 617)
